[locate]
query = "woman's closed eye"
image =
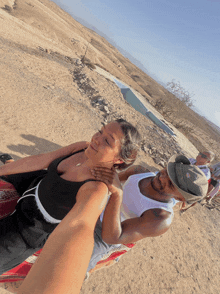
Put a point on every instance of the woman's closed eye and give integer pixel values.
(106, 140)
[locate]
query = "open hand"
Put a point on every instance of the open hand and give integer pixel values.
(109, 177)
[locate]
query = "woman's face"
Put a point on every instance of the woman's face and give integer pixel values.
(105, 145)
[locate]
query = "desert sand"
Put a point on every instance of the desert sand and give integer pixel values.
(50, 99)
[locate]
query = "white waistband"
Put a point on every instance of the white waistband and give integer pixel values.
(46, 215)
(34, 192)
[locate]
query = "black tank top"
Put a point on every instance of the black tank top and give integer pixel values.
(57, 195)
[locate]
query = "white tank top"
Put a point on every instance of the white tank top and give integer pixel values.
(134, 203)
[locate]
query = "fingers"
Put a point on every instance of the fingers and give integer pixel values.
(104, 170)
(103, 173)
(104, 178)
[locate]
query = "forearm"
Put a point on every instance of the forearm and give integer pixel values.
(27, 164)
(40, 161)
(111, 224)
(134, 169)
(63, 262)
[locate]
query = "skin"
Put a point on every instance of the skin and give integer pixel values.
(52, 273)
(151, 223)
(202, 161)
(62, 264)
(103, 150)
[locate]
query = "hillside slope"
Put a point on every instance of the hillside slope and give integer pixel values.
(49, 99)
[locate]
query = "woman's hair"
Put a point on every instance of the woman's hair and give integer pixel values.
(130, 144)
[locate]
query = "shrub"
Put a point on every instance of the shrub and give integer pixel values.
(88, 62)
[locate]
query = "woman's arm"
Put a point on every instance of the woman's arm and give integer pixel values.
(63, 262)
(41, 161)
(111, 223)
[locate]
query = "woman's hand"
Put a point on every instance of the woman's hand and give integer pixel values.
(109, 177)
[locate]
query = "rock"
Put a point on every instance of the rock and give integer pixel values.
(157, 160)
(106, 109)
(74, 40)
(78, 62)
(144, 148)
(162, 163)
(160, 153)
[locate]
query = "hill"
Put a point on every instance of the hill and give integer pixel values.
(51, 97)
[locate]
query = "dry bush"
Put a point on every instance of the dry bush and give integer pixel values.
(183, 127)
(7, 8)
(136, 78)
(176, 89)
(101, 66)
(149, 90)
(88, 62)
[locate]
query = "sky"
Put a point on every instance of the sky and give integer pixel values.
(173, 39)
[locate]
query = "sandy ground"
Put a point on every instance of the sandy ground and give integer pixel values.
(47, 102)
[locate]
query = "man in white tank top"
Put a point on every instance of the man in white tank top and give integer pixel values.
(144, 206)
(180, 181)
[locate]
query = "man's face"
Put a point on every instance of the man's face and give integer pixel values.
(162, 184)
(202, 158)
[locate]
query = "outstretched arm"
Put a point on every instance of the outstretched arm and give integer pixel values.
(41, 161)
(63, 262)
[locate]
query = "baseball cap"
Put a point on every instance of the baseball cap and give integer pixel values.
(190, 181)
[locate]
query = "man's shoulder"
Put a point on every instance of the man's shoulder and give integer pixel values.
(139, 169)
(157, 221)
(143, 173)
(157, 214)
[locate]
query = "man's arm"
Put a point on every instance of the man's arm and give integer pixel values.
(41, 161)
(63, 262)
(134, 169)
(152, 223)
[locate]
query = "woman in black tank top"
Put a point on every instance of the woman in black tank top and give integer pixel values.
(50, 184)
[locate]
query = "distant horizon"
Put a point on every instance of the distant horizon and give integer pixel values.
(136, 29)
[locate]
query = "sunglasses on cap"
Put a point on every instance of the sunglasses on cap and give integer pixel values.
(203, 155)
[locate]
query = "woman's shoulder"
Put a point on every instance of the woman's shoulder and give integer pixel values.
(92, 185)
(93, 193)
